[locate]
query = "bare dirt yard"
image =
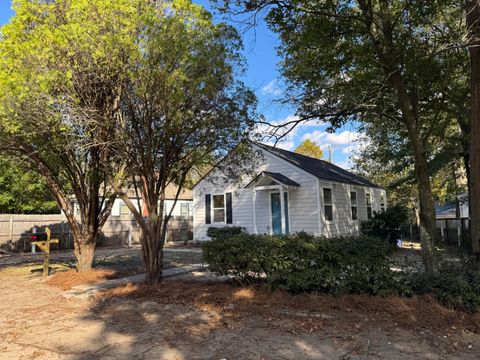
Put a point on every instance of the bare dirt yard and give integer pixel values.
(193, 317)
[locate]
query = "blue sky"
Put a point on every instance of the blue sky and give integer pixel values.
(262, 75)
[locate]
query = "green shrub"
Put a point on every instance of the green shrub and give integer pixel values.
(226, 231)
(387, 224)
(455, 284)
(303, 262)
(342, 265)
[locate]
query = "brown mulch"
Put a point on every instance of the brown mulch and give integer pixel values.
(65, 280)
(305, 311)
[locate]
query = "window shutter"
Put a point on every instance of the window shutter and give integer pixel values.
(208, 207)
(228, 198)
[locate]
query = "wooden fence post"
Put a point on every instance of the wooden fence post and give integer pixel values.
(10, 229)
(34, 231)
(61, 235)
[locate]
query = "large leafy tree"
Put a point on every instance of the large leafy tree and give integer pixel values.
(183, 110)
(62, 71)
(23, 190)
(378, 62)
(309, 148)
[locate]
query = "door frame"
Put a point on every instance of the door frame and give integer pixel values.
(270, 209)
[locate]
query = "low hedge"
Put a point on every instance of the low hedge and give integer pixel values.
(303, 262)
(455, 284)
(340, 265)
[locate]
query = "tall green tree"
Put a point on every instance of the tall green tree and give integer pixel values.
(62, 71)
(472, 8)
(183, 109)
(309, 148)
(378, 62)
(23, 190)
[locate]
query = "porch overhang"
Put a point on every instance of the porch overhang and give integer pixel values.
(272, 181)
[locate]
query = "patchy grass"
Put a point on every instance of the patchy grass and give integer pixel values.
(122, 262)
(32, 268)
(307, 312)
(131, 264)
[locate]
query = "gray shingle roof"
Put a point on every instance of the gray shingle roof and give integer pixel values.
(319, 168)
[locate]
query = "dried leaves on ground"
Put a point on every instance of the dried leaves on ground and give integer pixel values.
(305, 311)
(65, 280)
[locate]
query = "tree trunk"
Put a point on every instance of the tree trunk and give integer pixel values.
(383, 42)
(84, 252)
(427, 205)
(153, 263)
(475, 150)
(152, 248)
(473, 23)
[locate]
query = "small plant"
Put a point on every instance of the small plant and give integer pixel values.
(455, 284)
(386, 224)
(226, 231)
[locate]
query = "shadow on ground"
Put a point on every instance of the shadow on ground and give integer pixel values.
(211, 320)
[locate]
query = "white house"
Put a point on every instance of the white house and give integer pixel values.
(183, 206)
(288, 193)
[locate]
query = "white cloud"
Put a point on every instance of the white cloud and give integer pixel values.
(288, 131)
(346, 142)
(272, 88)
(286, 145)
(342, 139)
(347, 164)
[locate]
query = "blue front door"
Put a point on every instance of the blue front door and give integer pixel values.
(277, 213)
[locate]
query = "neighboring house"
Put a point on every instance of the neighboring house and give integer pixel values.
(453, 209)
(452, 219)
(288, 193)
(183, 207)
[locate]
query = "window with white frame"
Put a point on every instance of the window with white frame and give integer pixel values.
(184, 209)
(76, 208)
(368, 200)
(218, 208)
(328, 204)
(353, 205)
(382, 203)
(124, 210)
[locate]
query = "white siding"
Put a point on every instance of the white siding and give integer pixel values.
(178, 207)
(168, 205)
(342, 223)
(303, 202)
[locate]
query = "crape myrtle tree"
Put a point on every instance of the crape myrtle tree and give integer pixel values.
(183, 109)
(62, 66)
(373, 61)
